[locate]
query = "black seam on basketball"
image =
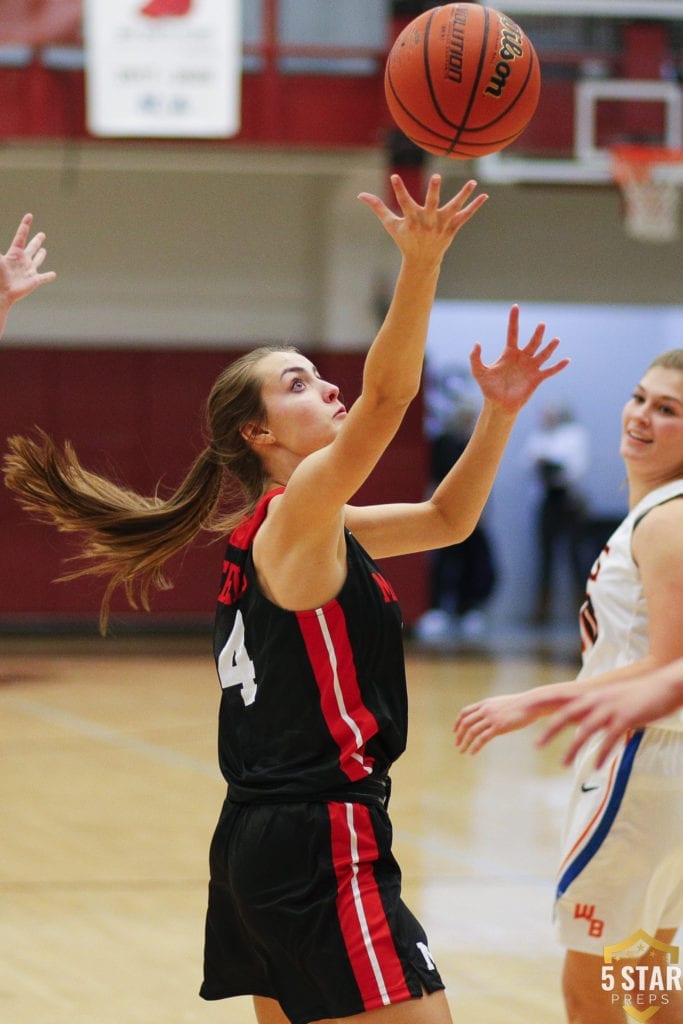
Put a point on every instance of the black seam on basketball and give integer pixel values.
(451, 138)
(427, 65)
(470, 148)
(419, 124)
(475, 86)
(409, 113)
(504, 113)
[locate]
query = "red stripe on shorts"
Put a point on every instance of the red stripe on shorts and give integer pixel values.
(350, 722)
(364, 925)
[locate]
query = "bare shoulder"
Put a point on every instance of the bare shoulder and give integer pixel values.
(662, 517)
(298, 568)
(660, 532)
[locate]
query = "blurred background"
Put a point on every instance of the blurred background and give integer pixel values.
(181, 239)
(196, 166)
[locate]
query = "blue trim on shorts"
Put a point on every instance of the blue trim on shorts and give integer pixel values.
(613, 805)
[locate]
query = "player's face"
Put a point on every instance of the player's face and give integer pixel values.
(652, 425)
(303, 411)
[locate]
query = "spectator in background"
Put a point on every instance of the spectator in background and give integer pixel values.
(462, 575)
(558, 454)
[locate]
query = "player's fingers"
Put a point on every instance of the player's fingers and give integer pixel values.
(467, 212)
(466, 716)
(404, 199)
(461, 197)
(463, 735)
(546, 352)
(433, 192)
(469, 734)
(513, 327)
(556, 724)
(22, 231)
(476, 362)
(536, 340)
(379, 208)
(550, 371)
(590, 723)
(34, 246)
(480, 741)
(573, 748)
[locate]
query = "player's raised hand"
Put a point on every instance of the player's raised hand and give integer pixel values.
(20, 265)
(424, 231)
(511, 380)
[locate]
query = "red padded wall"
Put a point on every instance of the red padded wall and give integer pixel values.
(136, 415)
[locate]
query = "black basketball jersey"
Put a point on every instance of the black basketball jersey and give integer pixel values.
(312, 701)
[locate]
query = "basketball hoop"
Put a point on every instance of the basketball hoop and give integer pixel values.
(650, 179)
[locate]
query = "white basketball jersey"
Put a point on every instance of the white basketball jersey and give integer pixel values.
(613, 619)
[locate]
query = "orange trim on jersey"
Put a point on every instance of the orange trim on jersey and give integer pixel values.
(596, 817)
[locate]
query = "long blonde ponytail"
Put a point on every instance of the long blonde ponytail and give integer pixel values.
(127, 537)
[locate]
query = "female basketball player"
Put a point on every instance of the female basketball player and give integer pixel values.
(623, 869)
(305, 911)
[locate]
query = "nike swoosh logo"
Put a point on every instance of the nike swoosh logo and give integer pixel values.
(587, 789)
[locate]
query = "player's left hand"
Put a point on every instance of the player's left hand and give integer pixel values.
(20, 265)
(515, 375)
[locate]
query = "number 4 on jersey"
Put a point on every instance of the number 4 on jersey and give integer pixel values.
(235, 667)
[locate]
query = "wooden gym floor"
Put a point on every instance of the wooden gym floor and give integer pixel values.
(109, 792)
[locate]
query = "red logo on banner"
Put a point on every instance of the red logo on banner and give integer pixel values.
(166, 8)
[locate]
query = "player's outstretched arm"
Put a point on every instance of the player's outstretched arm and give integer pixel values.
(423, 232)
(479, 723)
(453, 510)
(615, 709)
(20, 268)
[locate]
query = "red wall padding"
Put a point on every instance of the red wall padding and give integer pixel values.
(277, 109)
(316, 110)
(137, 415)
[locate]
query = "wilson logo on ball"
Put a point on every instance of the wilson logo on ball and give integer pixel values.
(512, 47)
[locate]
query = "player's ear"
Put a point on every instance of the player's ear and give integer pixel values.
(256, 434)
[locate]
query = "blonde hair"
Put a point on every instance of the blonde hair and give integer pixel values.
(128, 537)
(671, 360)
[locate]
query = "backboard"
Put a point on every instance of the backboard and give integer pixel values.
(612, 75)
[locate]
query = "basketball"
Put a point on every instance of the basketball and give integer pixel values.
(462, 80)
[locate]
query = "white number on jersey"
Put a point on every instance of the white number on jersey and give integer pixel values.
(235, 667)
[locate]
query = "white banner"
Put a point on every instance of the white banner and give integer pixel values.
(163, 68)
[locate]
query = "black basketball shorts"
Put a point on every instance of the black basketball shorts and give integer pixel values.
(305, 907)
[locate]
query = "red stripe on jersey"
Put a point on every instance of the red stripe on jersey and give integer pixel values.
(244, 532)
(363, 922)
(350, 722)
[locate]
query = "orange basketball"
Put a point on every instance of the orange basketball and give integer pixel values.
(462, 80)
